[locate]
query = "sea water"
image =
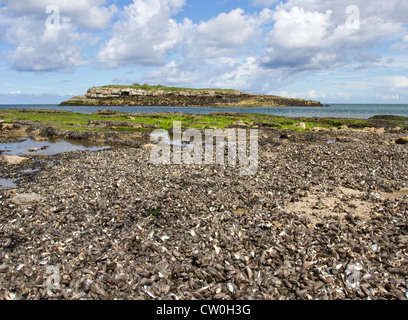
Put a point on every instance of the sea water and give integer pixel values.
(357, 111)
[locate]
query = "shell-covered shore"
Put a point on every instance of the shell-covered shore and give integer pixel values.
(317, 221)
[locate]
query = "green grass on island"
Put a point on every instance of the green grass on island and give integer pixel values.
(158, 87)
(159, 95)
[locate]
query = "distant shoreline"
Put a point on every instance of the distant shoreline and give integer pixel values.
(356, 111)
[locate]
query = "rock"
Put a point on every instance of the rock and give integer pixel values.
(301, 125)
(344, 139)
(239, 123)
(318, 129)
(14, 160)
(3, 268)
(49, 132)
(148, 146)
(6, 126)
(403, 140)
(26, 198)
(386, 117)
(37, 155)
(106, 112)
(284, 135)
(380, 130)
(33, 150)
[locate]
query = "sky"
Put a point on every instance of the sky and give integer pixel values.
(349, 51)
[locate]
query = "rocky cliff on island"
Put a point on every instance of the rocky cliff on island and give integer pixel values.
(146, 95)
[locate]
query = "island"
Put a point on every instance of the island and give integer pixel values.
(158, 95)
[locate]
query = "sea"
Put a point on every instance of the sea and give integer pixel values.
(356, 111)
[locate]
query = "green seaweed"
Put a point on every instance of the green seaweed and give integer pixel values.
(81, 122)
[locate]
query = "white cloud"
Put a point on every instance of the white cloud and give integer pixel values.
(44, 47)
(388, 96)
(401, 45)
(229, 32)
(172, 74)
(56, 49)
(398, 82)
(145, 34)
(310, 94)
(148, 33)
(88, 14)
(18, 97)
(298, 28)
(304, 39)
(266, 3)
(390, 11)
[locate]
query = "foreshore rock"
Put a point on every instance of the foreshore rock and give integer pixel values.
(403, 140)
(14, 160)
(26, 199)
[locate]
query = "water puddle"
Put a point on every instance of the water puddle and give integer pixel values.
(6, 183)
(331, 141)
(49, 147)
(160, 135)
(164, 137)
(29, 171)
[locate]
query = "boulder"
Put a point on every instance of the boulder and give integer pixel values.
(344, 139)
(240, 123)
(106, 112)
(6, 126)
(37, 155)
(386, 117)
(284, 135)
(301, 125)
(13, 160)
(318, 129)
(26, 198)
(403, 140)
(148, 146)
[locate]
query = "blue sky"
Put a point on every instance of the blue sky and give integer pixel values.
(351, 51)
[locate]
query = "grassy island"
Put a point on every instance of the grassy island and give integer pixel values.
(158, 95)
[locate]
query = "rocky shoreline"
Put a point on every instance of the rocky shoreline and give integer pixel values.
(319, 221)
